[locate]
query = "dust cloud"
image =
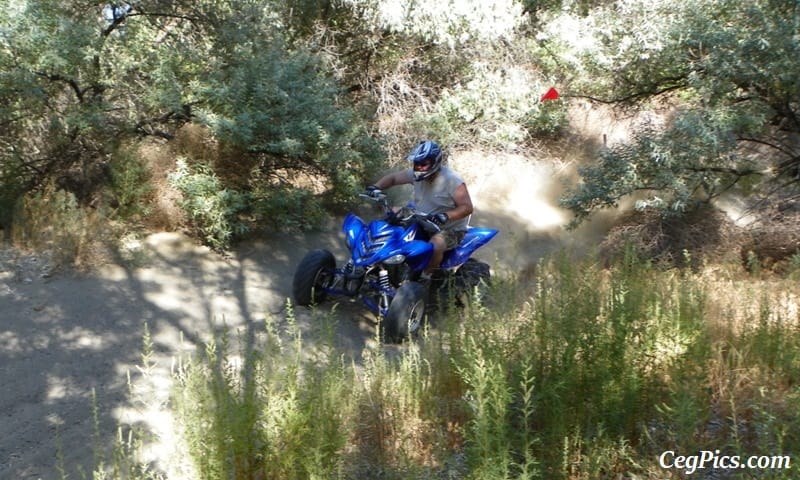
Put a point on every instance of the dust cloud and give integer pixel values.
(519, 194)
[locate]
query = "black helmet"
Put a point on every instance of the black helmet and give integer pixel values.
(426, 158)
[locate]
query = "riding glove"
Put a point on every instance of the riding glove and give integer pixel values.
(374, 191)
(439, 218)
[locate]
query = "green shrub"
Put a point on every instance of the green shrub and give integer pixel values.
(498, 108)
(130, 185)
(546, 120)
(280, 206)
(281, 110)
(215, 211)
(265, 413)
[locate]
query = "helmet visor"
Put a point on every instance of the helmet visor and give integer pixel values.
(423, 165)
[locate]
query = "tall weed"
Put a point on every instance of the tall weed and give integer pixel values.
(263, 412)
(593, 375)
(131, 186)
(53, 221)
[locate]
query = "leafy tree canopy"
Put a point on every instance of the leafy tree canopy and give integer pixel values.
(80, 78)
(729, 71)
(293, 92)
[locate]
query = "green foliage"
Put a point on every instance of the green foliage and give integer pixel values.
(595, 375)
(73, 89)
(284, 208)
(69, 90)
(497, 109)
(215, 211)
(279, 108)
(547, 120)
(489, 398)
(726, 68)
(264, 413)
(130, 185)
(676, 169)
(600, 348)
(293, 88)
(222, 214)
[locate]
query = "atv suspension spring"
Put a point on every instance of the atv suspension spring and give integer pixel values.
(383, 278)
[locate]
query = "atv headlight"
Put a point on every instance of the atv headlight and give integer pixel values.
(395, 259)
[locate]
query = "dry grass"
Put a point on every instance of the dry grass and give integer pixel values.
(164, 212)
(705, 235)
(736, 300)
(774, 240)
(56, 224)
(53, 224)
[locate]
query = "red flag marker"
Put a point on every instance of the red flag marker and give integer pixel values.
(551, 94)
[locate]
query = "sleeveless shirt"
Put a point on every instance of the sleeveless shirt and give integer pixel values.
(435, 195)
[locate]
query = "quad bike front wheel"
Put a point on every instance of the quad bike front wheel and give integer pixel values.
(406, 312)
(313, 274)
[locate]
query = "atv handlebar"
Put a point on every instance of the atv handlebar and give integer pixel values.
(405, 215)
(379, 198)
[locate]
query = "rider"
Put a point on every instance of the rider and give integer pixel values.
(439, 191)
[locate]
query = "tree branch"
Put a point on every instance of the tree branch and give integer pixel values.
(655, 91)
(55, 77)
(732, 171)
(142, 125)
(766, 143)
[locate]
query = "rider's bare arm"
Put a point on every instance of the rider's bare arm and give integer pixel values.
(397, 178)
(461, 197)
(463, 203)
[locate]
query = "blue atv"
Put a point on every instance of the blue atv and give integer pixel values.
(387, 258)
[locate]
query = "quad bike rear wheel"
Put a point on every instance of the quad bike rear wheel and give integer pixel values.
(314, 273)
(473, 274)
(469, 283)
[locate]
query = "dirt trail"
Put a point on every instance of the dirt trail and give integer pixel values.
(68, 341)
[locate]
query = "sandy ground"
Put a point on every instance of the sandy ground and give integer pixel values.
(69, 343)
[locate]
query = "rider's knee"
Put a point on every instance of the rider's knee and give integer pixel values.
(438, 243)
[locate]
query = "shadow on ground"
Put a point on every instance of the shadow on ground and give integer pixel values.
(67, 342)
